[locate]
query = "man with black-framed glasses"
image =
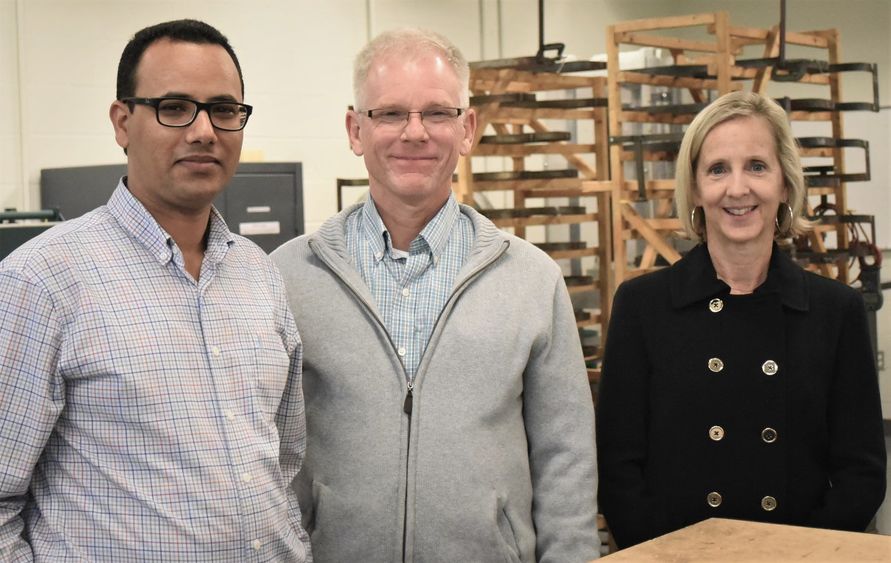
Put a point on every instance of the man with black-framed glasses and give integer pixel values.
(151, 405)
(449, 415)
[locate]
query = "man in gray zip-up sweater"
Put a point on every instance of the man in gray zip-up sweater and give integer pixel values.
(448, 412)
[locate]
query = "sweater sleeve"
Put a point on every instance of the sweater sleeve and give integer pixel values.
(632, 514)
(559, 417)
(856, 440)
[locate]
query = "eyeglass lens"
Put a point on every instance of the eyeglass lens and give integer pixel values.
(223, 115)
(436, 115)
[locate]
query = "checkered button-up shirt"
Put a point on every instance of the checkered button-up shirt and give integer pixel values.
(144, 415)
(410, 288)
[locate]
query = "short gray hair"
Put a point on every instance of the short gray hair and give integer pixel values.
(408, 42)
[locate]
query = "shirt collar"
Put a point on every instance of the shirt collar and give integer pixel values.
(433, 237)
(694, 279)
(135, 219)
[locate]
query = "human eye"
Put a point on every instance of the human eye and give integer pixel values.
(225, 109)
(716, 169)
(175, 107)
(439, 114)
(389, 115)
(758, 166)
(227, 115)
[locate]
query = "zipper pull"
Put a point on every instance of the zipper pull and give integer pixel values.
(406, 406)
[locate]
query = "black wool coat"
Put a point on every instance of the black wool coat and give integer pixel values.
(758, 407)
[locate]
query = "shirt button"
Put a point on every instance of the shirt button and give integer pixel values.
(770, 367)
(714, 499)
(215, 350)
(246, 477)
(769, 435)
(256, 545)
(715, 365)
(715, 305)
(406, 292)
(401, 351)
(768, 503)
(716, 433)
(230, 414)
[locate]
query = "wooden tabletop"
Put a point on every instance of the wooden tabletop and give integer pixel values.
(721, 540)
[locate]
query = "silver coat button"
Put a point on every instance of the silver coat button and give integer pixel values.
(715, 365)
(715, 305)
(716, 433)
(769, 435)
(770, 367)
(768, 503)
(714, 499)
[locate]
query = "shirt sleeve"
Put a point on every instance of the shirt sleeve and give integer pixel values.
(559, 415)
(291, 423)
(857, 455)
(31, 398)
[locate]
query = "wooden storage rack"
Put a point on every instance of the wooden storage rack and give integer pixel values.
(519, 112)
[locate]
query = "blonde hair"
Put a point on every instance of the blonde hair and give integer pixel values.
(408, 42)
(732, 106)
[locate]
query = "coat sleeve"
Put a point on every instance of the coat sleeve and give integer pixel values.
(559, 417)
(31, 398)
(856, 450)
(632, 514)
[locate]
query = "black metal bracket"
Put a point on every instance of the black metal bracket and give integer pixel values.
(669, 142)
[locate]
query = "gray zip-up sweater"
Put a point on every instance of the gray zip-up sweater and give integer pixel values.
(494, 460)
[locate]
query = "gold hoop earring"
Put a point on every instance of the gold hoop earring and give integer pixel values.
(698, 225)
(784, 220)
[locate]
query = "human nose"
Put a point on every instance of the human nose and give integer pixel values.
(738, 184)
(414, 128)
(201, 129)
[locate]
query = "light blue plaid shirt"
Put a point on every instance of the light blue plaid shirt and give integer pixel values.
(145, 416)
(410, 291)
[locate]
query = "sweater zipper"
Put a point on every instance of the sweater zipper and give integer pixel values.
(408, 402)
(406, 408)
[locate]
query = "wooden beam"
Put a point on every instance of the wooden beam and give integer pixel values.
(649, 24)
(649, 234)
(658, 41)
(538, 148)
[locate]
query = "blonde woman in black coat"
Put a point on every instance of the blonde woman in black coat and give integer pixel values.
(735, 384)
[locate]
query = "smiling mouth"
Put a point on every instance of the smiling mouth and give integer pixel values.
(740, 211)
(199, 160)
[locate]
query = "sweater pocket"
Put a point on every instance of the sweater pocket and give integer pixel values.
(507, 531)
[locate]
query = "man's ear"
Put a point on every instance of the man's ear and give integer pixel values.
(352, 127)
(469, 131)
(120, 115)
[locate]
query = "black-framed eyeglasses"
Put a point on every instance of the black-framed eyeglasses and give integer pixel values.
(182, 112)
(395, 116)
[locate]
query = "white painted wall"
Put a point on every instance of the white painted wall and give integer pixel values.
(11, 177)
